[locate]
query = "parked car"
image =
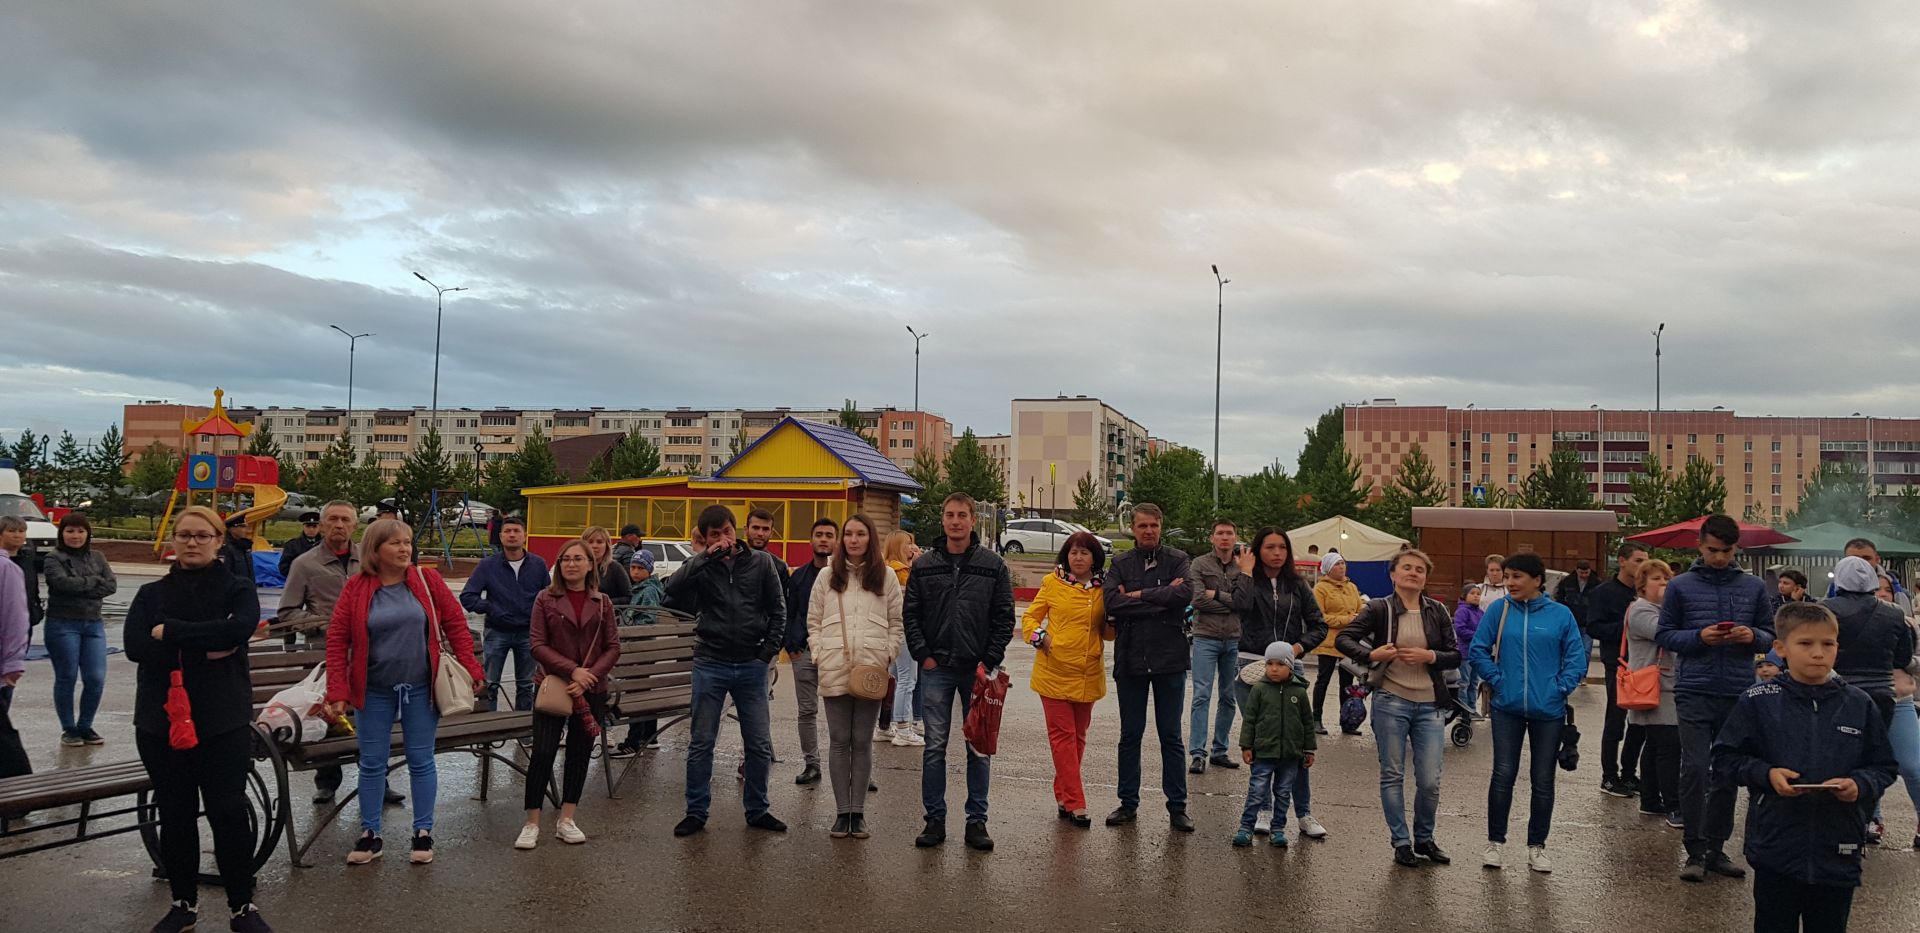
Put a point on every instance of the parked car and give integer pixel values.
(1042, 536)
(667, 555)
(474, 514)
(295, 504)
(41, 534)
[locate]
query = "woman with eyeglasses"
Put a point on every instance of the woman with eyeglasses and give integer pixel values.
(194, 624)
(575, 639)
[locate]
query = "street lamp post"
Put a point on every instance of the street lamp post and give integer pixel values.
(1656, 364)
(439, 305)
(917, 337)
(353, 341)
(1219, 336)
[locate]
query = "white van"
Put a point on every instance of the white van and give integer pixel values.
(41, 534)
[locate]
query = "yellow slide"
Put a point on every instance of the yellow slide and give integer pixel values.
(267, 502)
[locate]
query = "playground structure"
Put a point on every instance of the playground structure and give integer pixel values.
(205, 477)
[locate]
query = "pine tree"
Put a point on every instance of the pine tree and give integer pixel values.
(635, 457)
(1650, 492)
(106, 468)
(1089, 502)
(970, 470)
(1414, 486)
(157, 470)
(425, 470)
(367, 481)
(262, 443)
(29, 456)
(334, 475)
(1337, 487)
(1559, 483)
(533, 466)
(1836, 492)
(922, 515)
(1696, 492)
(1176, 481)
(1269, 497)
(851, 419)
(67, 473)
(1326, 440)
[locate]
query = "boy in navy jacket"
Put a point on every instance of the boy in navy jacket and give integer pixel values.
(1815, 754)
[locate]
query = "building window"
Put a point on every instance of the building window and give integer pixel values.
(1513, 478)
(1722, 438)
(907, 443)
(1749, 466)
(1485, 438)
(1749, 447)
(713, 442)
(1749, 489)
(1776, 489)
(1486, 456)
(1776, 469)
(1513, 437)
(1776, 513)
(1693, 438)
(1776, 447)
(892, 443)
(1513, 458)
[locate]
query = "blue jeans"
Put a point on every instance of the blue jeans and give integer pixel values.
(1470, 688)
(713, 682)
(1396, 724)
(1302, 790)
(1269, 785)
(1543, 737)
(1169, 691)
(494, 649)
(906, 680)
(941, 687)
(1904, 734)
(413, 706)
(78, 650)
(1215, 660)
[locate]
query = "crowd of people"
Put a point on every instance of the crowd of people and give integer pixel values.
(1714, 682)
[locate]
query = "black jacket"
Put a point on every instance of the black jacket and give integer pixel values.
(1607, 614)
(1374, 625)
(1571, 595)
(1152, 630)
(28, 560)
(1874, 640)
(739, 612)
(298, 545)
(959, 613)
(1824, 731)
(205, 611)
(237, 555)
(799, 594)
(1268, 614)
(77, 581)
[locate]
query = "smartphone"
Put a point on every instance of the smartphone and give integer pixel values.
(1811, 786)
(1724, 626)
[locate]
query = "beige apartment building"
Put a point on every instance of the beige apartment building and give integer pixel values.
(1764, 461)
(1056, 441)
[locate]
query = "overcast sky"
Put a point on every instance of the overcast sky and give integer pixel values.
(745, 203)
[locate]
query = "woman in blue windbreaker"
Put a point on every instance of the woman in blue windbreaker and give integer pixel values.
(1531, 653)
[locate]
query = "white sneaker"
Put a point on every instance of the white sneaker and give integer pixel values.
(906, 737)
(1311, 828)
(1538, 861)
(919, 728)
(883, 734)
(529, 836)
(569, 833)
(1495, 856)
(1263, 824)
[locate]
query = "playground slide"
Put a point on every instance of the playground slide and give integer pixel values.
(267, 502)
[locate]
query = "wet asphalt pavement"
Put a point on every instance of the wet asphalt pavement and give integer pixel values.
(1614, 869)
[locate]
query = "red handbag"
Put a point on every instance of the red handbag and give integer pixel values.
(982, 729)
(1637, 690)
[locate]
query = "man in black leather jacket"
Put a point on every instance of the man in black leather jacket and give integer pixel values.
(1147, 596)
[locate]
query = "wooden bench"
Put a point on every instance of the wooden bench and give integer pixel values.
(653, 679)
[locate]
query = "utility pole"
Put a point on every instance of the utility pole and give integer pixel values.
(1219, 336)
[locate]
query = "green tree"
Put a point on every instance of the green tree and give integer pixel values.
(634, 457)
(738, 445)
(970, 470)
(851, 418)
(1836, 492)
(29, 456)
(1326, 441)
(1089, 502)
(67, 472)
(1649, 493)
(1336, 488)
(532, 466)
(105, 467)
(922, 515)
(1176, 481)
(334, 475)
(1269, 497)
(158, 468)
(1901, 519)
(426, 469)
(262, 443)
(1696, 492)
(1414, 485)
(1559, 483)
(367, 482)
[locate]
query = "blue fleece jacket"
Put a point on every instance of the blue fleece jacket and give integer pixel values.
(1702, 597)
(1543, 656)
(506, 600)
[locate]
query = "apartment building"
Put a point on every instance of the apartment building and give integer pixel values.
(1056, 441)
(1764, 461)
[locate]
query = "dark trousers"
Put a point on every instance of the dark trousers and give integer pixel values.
(1542, 737)
(13, 755)
(1784, 904)
(1660, 769)
(546, 745)
(1169, 695)
(213, 774)
(1706, 804)
(1615, 761)
(1328, 667)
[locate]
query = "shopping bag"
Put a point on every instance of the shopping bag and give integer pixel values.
(982, 729)
(298, 713)
(1353, 709)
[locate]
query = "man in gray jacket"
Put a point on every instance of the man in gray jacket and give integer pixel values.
(1216, 645)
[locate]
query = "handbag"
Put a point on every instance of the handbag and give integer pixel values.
(1366, 671)
(982, 729)
(864, 681)
(1500, 634)
(452, 683)
(552, 698)
(1637, 689)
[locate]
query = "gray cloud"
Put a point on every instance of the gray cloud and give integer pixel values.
(736, 203)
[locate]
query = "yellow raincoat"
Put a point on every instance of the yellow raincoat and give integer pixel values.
(1075, 616)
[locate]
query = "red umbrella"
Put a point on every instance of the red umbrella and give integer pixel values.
(1686, 535)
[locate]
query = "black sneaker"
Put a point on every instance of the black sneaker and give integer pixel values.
(365, 849)
(808, 775)
(1695, 870)
(1676, 821)
(1613, 788)
(1199, 765)
(422, 849)
(767, 822)
(857, 828)
(1122, 816)
(1222, 761)
(689, 825)
(394, 798)
(91, 737)
(180, 918)
(72, 739)
(1404, 857)
(1651, 808)
(622, 750)
(248, 920)
(1180, 822)
(323, 798)
(1432, 852)
(842, 825)
(1719, 864)
(1631, 783)
(933, 834)
(977, 837)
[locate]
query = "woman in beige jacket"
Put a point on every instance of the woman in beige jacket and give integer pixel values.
(853, 618)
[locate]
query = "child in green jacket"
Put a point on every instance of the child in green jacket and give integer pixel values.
(1277, 740)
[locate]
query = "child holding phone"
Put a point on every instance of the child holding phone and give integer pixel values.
(1814, 752)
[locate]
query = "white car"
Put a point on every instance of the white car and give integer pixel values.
(1042, 536)
(667, 555)
(474, 514)
(41, 534)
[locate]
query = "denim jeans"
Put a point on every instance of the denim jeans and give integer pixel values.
(413, 706)
(1904, 734)
(1269, 785)
(78, 650)
(906, 678)
(1215, 660)
(941, 687)
(713, 683)
(1169, 692)
(1302, 790)
(494, 650)
(1398, 724)
(1470, 687)
(1705, 804)
(1542, 737)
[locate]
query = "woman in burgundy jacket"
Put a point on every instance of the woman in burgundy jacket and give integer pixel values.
(383, 652)
(574, 639)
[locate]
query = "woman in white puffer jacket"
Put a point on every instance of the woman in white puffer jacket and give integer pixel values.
(853, 619)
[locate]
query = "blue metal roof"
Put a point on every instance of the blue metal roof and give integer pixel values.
(849, 448)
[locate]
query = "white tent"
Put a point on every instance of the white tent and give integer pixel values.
(1355, 542)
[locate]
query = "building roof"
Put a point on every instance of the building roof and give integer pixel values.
(575, 456)
(1832, 538)
(850, 449)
